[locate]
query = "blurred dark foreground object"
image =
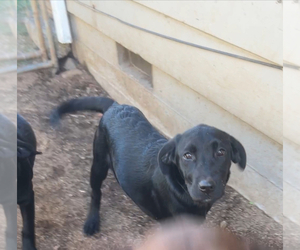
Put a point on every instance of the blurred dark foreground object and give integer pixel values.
(187, 234)
(8, 174)
(8, 164)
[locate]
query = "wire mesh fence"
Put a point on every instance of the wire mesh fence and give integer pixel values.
(26, 38)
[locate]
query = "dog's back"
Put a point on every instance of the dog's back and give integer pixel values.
(128, 132)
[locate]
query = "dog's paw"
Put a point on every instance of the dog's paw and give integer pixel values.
(91, 225)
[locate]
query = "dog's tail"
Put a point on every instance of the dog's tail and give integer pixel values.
(96, 104)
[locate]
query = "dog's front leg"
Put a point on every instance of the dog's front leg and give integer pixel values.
(28, 234)
(10, 211)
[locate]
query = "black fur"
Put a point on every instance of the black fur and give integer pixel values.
(26, 152)
(151, 169)
(17, 160)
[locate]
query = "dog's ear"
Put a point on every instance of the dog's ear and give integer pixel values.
(238, 153)
(166, 155)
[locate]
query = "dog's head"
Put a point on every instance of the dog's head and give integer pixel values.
(201, 157)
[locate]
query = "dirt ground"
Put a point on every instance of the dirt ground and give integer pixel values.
(61, 178)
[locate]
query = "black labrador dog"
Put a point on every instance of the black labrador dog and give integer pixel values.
(26, 152)
(17, 161)
(184, 175)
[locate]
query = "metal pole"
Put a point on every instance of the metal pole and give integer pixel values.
(8, 69)
(49, 34)
(42, 46)
(43, 65)
(29, 55)
(24, 56)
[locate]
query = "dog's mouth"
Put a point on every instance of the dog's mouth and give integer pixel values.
(203, 201)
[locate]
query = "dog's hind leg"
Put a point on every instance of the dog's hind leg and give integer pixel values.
(99, 171)
(28, 214)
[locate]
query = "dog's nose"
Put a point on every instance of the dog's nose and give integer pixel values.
(206, 186)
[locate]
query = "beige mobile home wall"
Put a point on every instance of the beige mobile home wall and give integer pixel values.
(191, 85)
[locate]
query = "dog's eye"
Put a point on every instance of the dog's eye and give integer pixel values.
(188, 156)
(221, 152)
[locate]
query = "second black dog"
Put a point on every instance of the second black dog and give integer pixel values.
(26, 152)
(184, 175)
(17, 160)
